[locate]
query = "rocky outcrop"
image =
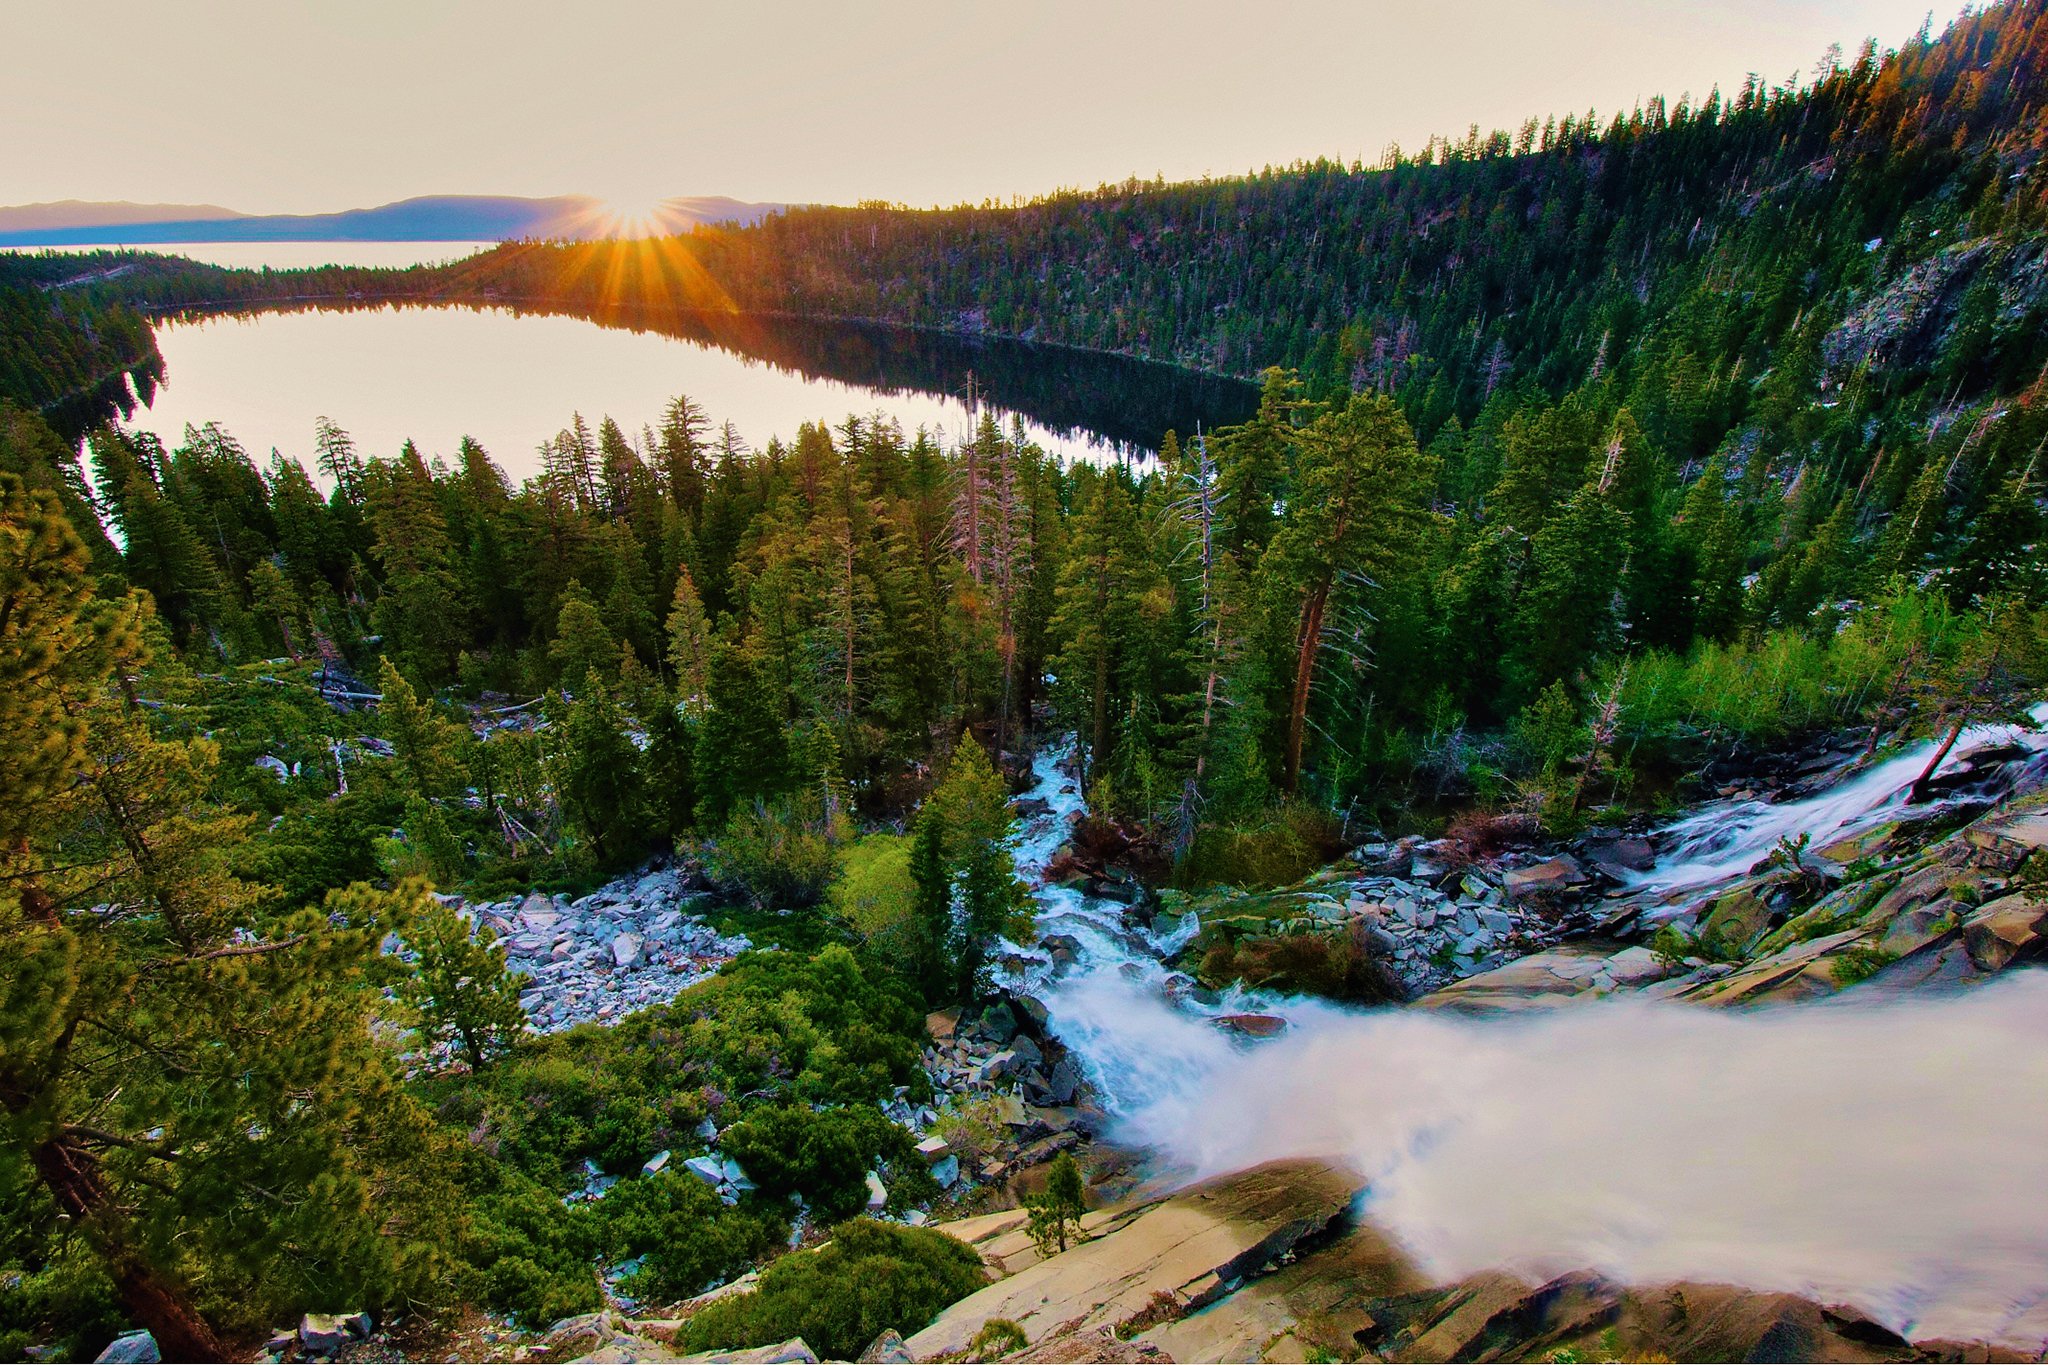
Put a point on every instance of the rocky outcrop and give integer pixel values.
(1179, 1255)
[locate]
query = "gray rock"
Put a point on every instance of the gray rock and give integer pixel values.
(324, 1333)
(736, 1175)
(932, 1148)
(1027, 1051)
(1555, 875)
(138, 1348)
(878, 1193)
(1064, 1081)
(629, 950)
(708, 1169)
(655, 1163)
(887, 1349)
(946, 1171)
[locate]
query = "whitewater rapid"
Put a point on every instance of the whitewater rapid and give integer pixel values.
(1726, 838)
(1890, 1155)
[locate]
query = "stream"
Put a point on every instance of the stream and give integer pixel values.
(1891, 1155)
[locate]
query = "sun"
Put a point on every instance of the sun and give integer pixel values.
(634, 216)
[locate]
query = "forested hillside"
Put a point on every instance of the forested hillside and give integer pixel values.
(1586, 457)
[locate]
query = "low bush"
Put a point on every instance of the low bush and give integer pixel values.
(1337, 966)
(1278, 849)
(688, 1240)
(875, 893)
(825, 1157)
(772, 1029)
(872, 1277)
(776, 856)
(528, 1255)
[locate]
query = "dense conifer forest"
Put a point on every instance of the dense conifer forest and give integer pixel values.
(1586, 455)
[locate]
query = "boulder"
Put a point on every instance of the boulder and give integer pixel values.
(629, 1349)
(136, 1348)
(934, 1147)
(1558, 874)
(942, 1024)
(946, 1170)
(1064, 1081)
(1735, 923)
(1252, 1025)
(2006, 929)
(324, 1333)
(654, 1163)
(708, 1169)
(1188, 1249)
(886, 1349)
(628, 951)
(878, 1194)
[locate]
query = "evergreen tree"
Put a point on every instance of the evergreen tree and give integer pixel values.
(459, 992)
(430, 749)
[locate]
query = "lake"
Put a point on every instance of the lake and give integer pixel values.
(512, 377)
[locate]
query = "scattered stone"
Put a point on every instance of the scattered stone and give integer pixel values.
(878, 1194)
(655, 1163)
(708, 1169)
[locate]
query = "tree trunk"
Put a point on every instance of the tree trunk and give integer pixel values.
(73, 1177)
(1919, 792)
(1304, 677)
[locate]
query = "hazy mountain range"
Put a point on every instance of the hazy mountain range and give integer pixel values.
(451, 217)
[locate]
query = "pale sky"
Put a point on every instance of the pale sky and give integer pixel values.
(307, 106)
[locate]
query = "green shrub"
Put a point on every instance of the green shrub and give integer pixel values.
(777, 855)
(1278, 848)
(772, 1029)
(997, 1338)
(1337, 966)
(872, 1277)
(689, 1239)
(875, 893)
(825, 1157)
(529, 1256)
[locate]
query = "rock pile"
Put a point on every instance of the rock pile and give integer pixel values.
(628, 945)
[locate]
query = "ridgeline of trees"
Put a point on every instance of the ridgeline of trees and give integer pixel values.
(1603, 450)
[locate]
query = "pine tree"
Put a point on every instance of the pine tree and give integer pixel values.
(1362, 495)
(596, 774)
(1055, 1216)
(430, 749)
(459, 991)
(584, 649)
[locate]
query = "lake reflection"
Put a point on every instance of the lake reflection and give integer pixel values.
(511, 380)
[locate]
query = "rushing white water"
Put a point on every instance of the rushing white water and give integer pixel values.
(1726, 838)
(1894, 1156)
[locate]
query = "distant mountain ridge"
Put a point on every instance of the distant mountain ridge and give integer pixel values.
(451, 217)
(77, 213)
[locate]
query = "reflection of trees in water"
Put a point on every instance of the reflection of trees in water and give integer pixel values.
(1127, 403)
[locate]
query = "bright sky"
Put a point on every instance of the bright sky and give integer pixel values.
(302, 106)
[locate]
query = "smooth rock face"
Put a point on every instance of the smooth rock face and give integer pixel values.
(1187, 1248)
(791, 1352)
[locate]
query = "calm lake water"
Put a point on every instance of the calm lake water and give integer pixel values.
(512, 378)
